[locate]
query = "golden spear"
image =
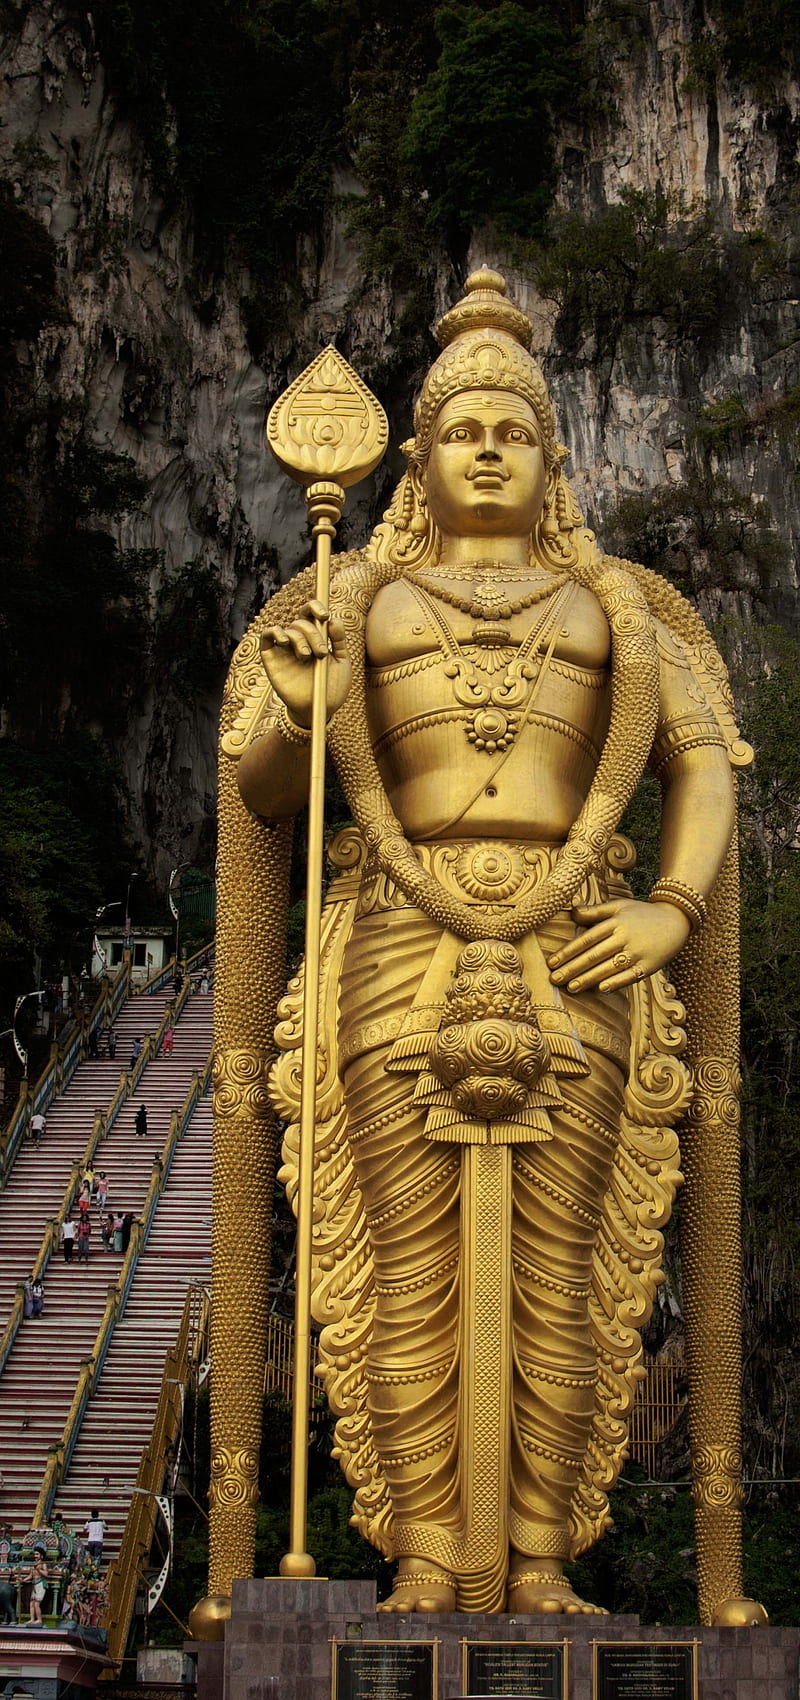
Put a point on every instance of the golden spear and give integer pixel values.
(328, 432)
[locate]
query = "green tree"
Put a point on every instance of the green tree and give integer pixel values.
(64, 847)
(28, 286)
(644, 260)
(702, 534)
(73, 605)
(480, 134)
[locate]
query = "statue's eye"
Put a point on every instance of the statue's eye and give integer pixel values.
(518, 435)
(459, 434)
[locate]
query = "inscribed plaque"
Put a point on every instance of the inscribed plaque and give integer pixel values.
(645, 1670)
(530, 1670)
(384, 1670)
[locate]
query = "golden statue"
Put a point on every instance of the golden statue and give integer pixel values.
(502, 1064)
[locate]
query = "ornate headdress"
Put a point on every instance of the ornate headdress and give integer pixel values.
(486, 342)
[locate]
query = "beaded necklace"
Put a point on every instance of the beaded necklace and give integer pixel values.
(487, 601)
(495, 712)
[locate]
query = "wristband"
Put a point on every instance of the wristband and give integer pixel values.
(691, 903)
(288, 728)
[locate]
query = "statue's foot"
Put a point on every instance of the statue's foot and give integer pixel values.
(739, 1614)
(546, 1591)
(421, 1586)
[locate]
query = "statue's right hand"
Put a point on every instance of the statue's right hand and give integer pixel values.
(289, 653)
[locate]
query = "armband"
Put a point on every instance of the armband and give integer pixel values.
(682, 733)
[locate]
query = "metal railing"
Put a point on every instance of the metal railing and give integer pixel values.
(279, 1362)
(124, 1574)
(659, 1402)
(61, 1066)
(163, 975)
(60, 1454)
(101, 1129)
(103, 1123)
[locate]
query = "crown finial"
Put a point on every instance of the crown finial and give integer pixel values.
(485, 306)
(485, 278)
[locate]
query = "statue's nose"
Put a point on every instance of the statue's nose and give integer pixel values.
(488, 449)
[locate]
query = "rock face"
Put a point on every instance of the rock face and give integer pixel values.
(154, 357)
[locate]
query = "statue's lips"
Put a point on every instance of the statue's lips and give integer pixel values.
(489, 480)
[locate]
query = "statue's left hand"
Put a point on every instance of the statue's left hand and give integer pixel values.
(623, 941)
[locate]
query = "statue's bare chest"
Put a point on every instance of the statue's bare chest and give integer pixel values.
(404, 624)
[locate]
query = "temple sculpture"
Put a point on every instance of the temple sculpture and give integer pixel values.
(510, 1089)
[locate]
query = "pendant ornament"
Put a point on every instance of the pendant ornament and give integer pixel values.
(497, 709)
(488, 601)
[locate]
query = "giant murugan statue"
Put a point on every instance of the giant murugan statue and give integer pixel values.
(503, 1066)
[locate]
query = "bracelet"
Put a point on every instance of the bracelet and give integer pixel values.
(684, 897)
(289, 729)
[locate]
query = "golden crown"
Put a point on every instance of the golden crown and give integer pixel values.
(485, 341)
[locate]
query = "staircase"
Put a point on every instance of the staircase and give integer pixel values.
(37, 1386)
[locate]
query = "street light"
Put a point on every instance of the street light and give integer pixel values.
(19, 1048)
(97, 949)
(175, 886)
(133, 877)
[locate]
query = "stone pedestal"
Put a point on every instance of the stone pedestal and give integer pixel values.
(278, 1644)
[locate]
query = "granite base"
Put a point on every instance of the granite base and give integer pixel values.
(278, 1644)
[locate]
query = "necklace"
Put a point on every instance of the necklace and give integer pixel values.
(486, 601)
(494, 712)
(487, 566)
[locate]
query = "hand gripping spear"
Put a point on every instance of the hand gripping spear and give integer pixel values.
(328, 432)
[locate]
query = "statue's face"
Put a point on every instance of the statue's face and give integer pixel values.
(486, 473)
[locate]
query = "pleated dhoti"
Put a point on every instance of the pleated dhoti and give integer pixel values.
(476, 1470)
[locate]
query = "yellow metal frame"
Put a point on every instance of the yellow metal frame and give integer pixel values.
(563, 1643)
(123, 1575)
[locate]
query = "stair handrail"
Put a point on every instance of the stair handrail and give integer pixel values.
(61, 1065)
(123, 1575)
(187, 965)
(205, 950)
(60, 1454)
(146, 988)
(103, 1122)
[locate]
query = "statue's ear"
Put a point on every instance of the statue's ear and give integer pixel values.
(416, 516)
(417, 481)
(549, 520)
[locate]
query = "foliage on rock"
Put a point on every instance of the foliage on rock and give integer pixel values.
(63, 846)
(643, 261)
(755, 42)
(703, 534)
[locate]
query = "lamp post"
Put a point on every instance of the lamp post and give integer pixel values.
(5, 1034)
(128, 940)
(175, 905)
(97, 949)
(21, 1049)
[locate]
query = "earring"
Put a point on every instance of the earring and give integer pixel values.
(418, 523)
(549, 527)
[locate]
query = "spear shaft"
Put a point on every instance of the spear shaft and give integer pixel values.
(328, 432)
(325, 503)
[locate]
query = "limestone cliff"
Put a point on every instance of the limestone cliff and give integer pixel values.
(151, 358)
